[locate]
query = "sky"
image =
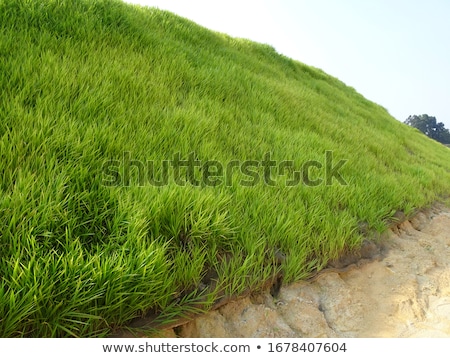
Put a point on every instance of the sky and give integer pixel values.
(396, 53)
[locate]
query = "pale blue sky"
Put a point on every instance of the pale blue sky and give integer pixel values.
(395, 53)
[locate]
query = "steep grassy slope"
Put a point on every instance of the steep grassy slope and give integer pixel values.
(96, 95)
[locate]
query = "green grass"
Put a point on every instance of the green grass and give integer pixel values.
(83, 82)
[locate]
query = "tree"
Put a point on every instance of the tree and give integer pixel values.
(430, 127)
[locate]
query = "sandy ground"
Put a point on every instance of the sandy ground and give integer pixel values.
(405, 293)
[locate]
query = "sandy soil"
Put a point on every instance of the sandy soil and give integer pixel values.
(405, 293)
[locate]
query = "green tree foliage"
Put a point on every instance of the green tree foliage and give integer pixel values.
(430, 127)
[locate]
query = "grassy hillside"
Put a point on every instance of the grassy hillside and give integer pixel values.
(273, 166)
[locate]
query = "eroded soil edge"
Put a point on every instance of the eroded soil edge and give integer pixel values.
(405, 293)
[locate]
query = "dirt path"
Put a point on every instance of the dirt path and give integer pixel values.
(404, 294)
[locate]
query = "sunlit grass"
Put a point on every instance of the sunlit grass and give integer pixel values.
(84, 82)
